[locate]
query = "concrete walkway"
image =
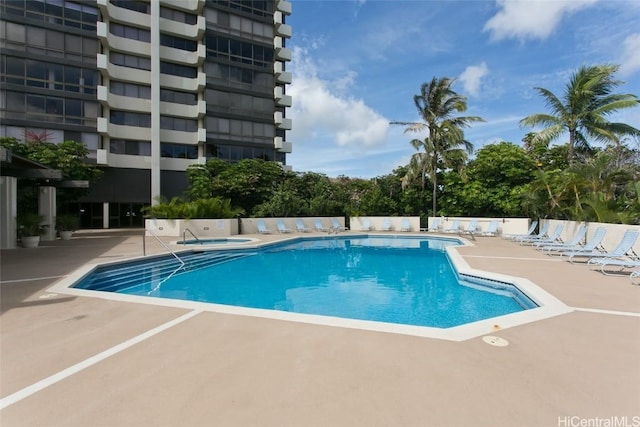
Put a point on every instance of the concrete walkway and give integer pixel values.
(79, 361)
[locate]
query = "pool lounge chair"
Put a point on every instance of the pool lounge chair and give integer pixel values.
(435, 224)
(553, 237)
(471, 228)
(624, 248)
(365, 224)
(454, 227)
(575, 240)
(282, 228)
(300, 227)
(317, 225)
(544, 228)
(593, 244)
(406, 225)
(335, 225)
(615, 266)
(492, 229)
(635, 277)
(262, 228)
(386, 225)
(529, 232)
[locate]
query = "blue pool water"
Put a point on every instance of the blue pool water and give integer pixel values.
(404, 280)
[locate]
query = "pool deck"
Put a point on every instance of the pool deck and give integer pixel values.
(80, 361)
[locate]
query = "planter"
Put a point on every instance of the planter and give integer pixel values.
(30, 241)
(65, 235)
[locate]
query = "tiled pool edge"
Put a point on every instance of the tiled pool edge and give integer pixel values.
(549, 306)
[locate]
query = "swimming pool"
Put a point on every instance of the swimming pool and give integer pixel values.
(406, 280)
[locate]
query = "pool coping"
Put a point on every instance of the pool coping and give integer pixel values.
(548, 305)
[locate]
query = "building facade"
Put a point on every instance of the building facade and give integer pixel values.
(149, 86)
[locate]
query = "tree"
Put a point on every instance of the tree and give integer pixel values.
(582, 111)
(437, 105)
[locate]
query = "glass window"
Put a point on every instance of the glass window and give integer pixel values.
(73, 43)
(15, 32)
(35, 104)
(90, 109)
(36, 36)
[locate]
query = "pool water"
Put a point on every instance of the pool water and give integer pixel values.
(404, 280)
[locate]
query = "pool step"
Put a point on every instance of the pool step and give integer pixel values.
(150, 272)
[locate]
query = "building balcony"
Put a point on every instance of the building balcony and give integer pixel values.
(281, 75)
(187, 31)
(120, 102)
(282, 146)
(122, 44)
(186, 111)
(280, 97)
(281, 121)
(185, 57)
(122, 131)
(283, 30)
(193, 6)
(183, 83)
(283, 54)
(283, 6)
(181, 137)
(123, 15)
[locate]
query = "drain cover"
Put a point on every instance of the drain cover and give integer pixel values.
(497, 341)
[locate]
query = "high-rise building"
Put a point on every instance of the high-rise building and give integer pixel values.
(149, 86)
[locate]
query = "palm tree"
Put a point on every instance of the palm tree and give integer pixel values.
(437, 105)
(583, 109)
(444, 152)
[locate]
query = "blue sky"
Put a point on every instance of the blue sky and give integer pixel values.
(357, 65)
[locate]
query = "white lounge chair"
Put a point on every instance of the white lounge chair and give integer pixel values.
(406, 225)
(336, 226)
(575, 240)
(492, 229)
(365, 224)
(593, 244)
(553, 237)
(529, 232)
(301, 227)
(635, 276)
(454, 227)
(612, 266)
(435, 224)
(386, 224)
(471, 228)
(282, 228)
(624, 248)
(262, 228)
(544, 228)
(317, 225)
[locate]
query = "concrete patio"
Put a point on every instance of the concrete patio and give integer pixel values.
(80, 361)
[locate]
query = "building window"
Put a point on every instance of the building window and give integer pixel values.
(178, 97)
(135, 5)
(131, 33)
(179, 124)
(178, 43)
(130, 61)
(126, 146)
(130, 119)
(239, 51)
(178, 16)
(178, 70)
(179, 151)
(130, 89)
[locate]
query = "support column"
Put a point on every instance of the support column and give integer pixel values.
(47, 208)
(105, 215)
(8, 212)
(155, 102)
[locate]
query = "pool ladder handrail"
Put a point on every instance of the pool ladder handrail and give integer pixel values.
(184, 237)
(144, 246)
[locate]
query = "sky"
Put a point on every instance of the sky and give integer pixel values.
(358, 63)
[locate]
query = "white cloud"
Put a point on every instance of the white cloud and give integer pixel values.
(323, 108)
(471, 77)
(630, 59)
(526, 19)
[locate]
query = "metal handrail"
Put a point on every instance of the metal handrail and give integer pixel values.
(144, 246)
(184, 234)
